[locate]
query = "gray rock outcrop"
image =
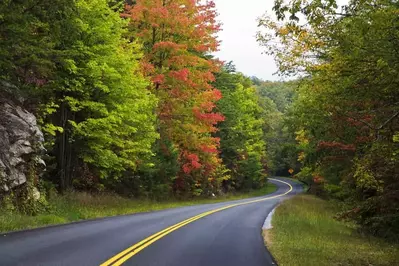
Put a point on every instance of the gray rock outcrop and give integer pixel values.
(21, 140)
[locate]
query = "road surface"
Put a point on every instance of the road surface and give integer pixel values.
(226, 233)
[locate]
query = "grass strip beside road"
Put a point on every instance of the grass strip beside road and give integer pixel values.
(305, 233)
(77, 206)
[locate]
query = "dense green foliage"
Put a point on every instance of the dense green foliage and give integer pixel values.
(29, 33)
(82, 77)
(103, 107)
(241, 134)
(345, 116)
(276, 99)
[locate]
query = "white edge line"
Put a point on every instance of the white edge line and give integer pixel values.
(268, 222)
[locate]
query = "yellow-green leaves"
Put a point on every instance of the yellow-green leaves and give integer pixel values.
(347, 108)
(241, 134)
(99, 104)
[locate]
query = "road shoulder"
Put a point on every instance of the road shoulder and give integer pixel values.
(305, 233)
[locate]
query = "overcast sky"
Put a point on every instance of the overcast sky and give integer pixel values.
(238, 37)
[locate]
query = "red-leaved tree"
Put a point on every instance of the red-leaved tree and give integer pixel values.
(176, 36)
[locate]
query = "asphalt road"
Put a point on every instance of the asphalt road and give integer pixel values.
(231, 236)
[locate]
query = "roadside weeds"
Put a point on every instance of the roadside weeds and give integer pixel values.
(80, 206)
(305, 233)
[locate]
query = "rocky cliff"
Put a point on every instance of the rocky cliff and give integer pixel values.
(21, 141)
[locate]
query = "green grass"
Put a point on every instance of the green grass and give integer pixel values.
(305, 233)
(76, 206)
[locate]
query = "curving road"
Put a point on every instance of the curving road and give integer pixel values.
(226, 233)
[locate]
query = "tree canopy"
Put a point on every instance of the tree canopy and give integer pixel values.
(346, 113)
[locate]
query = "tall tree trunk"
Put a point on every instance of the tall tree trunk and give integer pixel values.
(64, 152)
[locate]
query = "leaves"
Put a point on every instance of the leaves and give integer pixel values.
(346, 110)
(130, 99)
(243, 148)
(176, 35)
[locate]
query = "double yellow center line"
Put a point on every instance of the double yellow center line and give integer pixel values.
(123, 256)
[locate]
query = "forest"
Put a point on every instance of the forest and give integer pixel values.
(132, 101)
(345, 114)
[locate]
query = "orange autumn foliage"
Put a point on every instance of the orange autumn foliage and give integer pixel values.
(176, 36)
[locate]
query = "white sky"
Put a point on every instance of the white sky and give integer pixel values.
(238, 37)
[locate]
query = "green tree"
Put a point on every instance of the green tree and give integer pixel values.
(29, 32)
(346, 114)
(243, 148)
(276, 100)
(97, 100)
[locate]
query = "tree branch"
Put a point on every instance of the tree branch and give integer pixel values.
(388, 121)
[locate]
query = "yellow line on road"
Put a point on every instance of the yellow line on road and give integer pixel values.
(123, 256)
